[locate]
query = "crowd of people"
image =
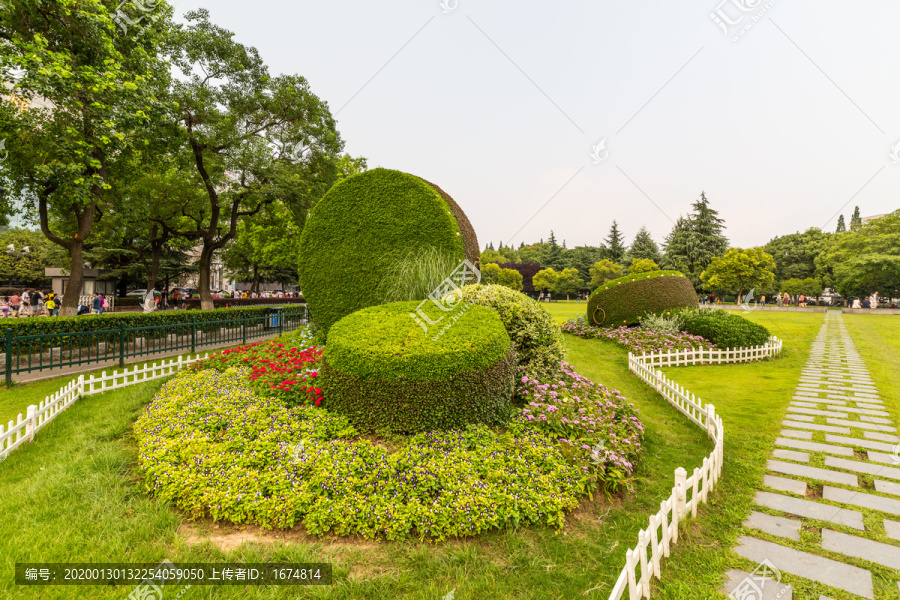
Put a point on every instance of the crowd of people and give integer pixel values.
(31, 303)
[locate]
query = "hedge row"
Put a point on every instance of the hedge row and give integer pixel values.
(236, 302)
(110, 321)
(723, 328)
(624, 300)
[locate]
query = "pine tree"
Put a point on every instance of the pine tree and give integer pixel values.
(643, 246)
(614, 247)
(695, 241)
(553, 255)
(841, 228)
(855, 220)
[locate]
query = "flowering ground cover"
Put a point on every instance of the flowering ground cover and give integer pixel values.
(637, 340)
(285, 368)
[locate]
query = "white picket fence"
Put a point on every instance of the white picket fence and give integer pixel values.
(37, 416)
(654, 543)
(713, 356)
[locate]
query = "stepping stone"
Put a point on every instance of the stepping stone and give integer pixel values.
(806, 435)
(804, 418)
(779, 526)
(812, 472)
(881, 436)
(809, 566)
(892, 529)
(862, 467)
(813, 426)
(862, 411)
(839, 439)
(888, 459)
(861, 425)
(870, 405)
(790, 455)
(821, 413)
(814, 447)
(887, 487)
(810, 510)
(879, 420)
(742, 581)
(861, 499)
(886, 555)
(785, 485)
(804, 404)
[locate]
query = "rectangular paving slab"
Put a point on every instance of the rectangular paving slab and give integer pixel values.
(817, 412)
(814, 446)
(856, 498)
(856, 442)
(791, 455)
(779, 526)
(805, 435)
(883, 457)
(785, 485)
(887, 487)
(850, 545)
(861, 425)
(862, 467)
(770, 589)
(892, 529)
(809, 509)
(816, 473)
(862, 411)
(879, 420)
(881, 437)
(814, 427)
(809, 566)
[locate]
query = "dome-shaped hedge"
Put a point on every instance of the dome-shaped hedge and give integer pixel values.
(536, 337)
(385, 372)
(357, 229)
(621, 301)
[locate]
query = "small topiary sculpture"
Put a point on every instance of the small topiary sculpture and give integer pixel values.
(624, 300)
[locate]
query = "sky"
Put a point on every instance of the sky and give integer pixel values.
(539, 116)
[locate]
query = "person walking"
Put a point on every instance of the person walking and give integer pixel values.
(15, 303)
(762, 300)
(50, 304)
(97, 304)
(34, 300)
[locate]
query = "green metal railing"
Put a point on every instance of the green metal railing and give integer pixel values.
(39, 352)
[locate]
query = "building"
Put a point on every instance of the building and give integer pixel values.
(92, 282)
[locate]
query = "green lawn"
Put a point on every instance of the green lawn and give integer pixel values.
(73, 495)
(562, 310)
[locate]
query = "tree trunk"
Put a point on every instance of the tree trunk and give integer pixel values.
(69, 306)
(206, 301)
(154, 266)
(254, 287)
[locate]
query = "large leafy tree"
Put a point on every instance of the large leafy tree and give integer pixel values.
(265, 248)
(603, 271)
(568, 282)
(253, 138)
(85, 93)
(867, 260)
(695, 240)
(545, 280)
(795, 253)
(739, 270)
(20, 267)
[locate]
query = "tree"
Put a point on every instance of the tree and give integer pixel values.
(614, 247)
(643, 246)
(567, 282)
(603, 271)
(265, 248)
(695, 240)
(553, 257)
(583, 258)
(642, 265)
(490, 256)
(510, 278)
(807, 287)
(795, 253)
(490, 273)
(841, 228)
(19, 267)
(740, 270)
(855, 220)
(86, 93)
(545, 280)
(253, 139)
(867, 260)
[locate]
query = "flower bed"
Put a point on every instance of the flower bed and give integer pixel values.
(637, 340)
(278, 368)
(213, 445)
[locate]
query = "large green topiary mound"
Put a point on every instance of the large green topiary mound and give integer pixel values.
(622, 301)
(385, 373)
(537, 339)
(357, 229)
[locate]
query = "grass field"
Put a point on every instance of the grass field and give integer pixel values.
(562, 310)
(73, 495)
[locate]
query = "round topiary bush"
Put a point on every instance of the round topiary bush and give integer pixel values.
(622, 301)
(356, 230)
(536, 337)
(384, 372)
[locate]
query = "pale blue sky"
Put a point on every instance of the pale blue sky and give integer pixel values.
(500, 104)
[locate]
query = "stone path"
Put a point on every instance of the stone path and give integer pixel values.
(833, 487)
